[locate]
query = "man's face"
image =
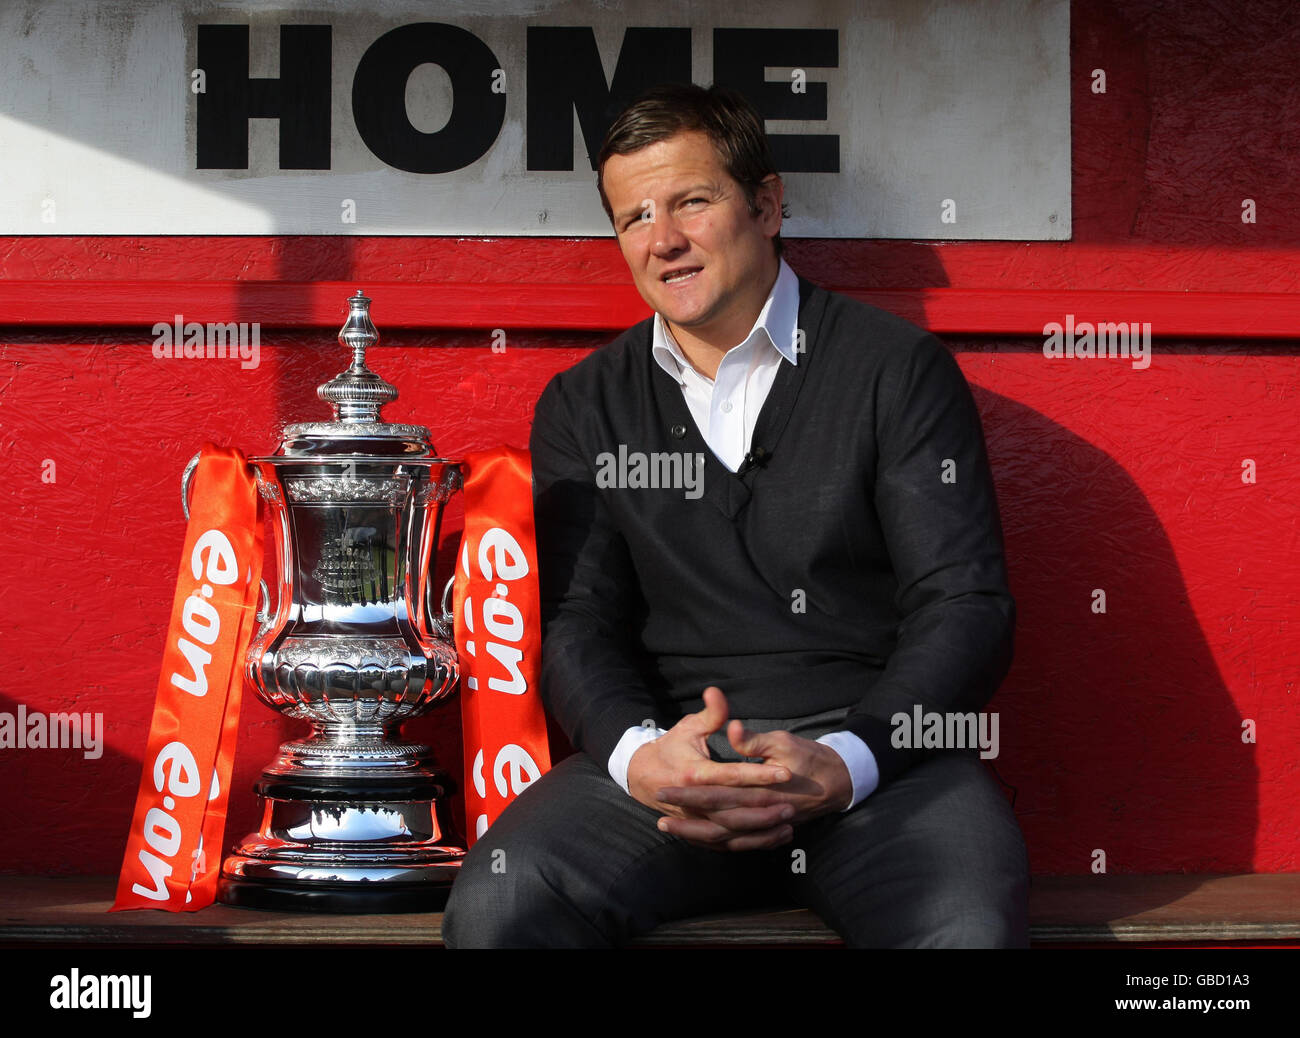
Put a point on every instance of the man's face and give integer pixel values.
(696, 252)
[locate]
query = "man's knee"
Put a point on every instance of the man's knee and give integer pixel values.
(987, 928)
(974, 911)
(935, 909)
(980, 888)
(543, 874)
(504, 899)
(512, 890)
(937, 860)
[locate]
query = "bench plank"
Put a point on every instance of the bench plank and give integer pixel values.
(1063, 909)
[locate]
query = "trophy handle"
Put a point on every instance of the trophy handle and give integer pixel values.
(186, 477)
(445, 621)
(264, 614)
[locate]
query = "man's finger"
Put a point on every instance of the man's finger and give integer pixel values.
(713, 773)
(724, 825)
(751, 744)
(695, 830)
(719, 798)
(739, 819)
(757, 831)
(714, 837)
(714, 715)
(761, 841)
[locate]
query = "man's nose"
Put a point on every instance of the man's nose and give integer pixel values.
(667, 236)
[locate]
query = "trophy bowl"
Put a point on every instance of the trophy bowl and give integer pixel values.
(353, 820)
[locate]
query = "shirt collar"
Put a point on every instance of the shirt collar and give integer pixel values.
(777, 320)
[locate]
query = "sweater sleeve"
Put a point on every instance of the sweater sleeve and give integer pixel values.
(590, 603)
(938, 510)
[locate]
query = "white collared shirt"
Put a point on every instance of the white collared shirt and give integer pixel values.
(725, 409)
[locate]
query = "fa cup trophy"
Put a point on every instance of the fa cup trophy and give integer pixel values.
(354, 820)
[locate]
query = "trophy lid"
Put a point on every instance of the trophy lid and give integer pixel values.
(357, 396)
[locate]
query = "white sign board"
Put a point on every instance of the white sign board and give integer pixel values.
(889, 118)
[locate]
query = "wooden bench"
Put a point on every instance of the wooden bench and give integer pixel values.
(1064, 910)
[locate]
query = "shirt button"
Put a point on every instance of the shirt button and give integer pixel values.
(678, 431)
(726, 407)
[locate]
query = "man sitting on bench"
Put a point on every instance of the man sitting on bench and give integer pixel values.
(771, 501)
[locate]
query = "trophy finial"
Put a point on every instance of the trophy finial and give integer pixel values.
(358, 394)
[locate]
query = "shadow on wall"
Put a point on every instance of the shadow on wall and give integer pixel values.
(56, 816)
(1117, 730)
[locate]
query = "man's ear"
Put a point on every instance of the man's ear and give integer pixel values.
(769, 197)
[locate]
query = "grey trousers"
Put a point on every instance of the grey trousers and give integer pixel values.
(933, 858)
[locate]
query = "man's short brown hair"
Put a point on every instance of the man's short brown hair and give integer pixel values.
(725, 116)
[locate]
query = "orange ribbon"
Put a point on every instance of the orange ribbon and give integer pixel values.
(173, 853)
(498, 636)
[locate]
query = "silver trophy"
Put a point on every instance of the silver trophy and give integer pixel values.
(354, 820)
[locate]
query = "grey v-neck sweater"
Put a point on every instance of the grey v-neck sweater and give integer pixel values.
(861, 564)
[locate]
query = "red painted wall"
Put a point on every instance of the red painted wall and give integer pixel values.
(1120, 732)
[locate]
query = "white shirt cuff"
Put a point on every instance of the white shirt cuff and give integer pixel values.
(633, 739)
(860, 761)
